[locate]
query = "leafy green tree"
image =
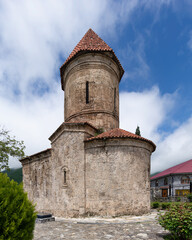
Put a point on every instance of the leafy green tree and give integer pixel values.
(9, 147)
(17, 213)
(137, 132)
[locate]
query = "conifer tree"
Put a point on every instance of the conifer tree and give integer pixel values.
(17, 213)
(137, 132)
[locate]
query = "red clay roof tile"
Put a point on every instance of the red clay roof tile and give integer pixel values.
(120, 133)
(91, 42)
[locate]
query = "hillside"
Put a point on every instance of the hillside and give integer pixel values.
(15, 174)
(154, 174)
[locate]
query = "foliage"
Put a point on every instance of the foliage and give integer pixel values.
(15, 174)
(178, 199)
(137, 131)
(178, 220)
(155, 204)
(165, 205)
(9, 147)
(99, 131)
(189, 196)
(17, 216)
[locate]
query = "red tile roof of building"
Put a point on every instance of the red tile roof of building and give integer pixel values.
(91, 42)
(185, 167)
(120, 133)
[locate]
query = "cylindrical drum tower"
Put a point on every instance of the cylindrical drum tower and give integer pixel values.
(90, 78)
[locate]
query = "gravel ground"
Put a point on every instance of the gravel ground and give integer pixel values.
(123, 228)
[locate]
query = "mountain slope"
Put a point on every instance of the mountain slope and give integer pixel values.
(15, 174)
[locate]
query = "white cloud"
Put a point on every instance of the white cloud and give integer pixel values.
(33, 121)
(134, 59)
(148, 109)
(174, 149)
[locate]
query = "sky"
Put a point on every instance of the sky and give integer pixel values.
(153, 41)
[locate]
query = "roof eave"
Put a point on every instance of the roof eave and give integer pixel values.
(63, 67)
(123, 137)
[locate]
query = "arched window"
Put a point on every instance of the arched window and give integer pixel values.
(165, 181)
(185, 180)
(64, 176)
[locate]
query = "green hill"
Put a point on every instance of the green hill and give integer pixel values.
(154, 174)
(15, 174)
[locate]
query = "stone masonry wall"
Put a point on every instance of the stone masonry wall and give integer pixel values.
(68, 197)
(117, 177)
(101, 177)
(103, 76)
(37, 179)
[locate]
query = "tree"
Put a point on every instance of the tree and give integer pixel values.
(137, 132)
(17, 213)
(9, 147)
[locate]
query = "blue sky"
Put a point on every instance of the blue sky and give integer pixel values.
(153, 41)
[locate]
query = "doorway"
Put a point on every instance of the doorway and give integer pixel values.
(164, 192)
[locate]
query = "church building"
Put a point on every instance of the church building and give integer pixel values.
(93, 167)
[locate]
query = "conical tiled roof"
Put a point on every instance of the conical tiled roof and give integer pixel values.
(91, 42)
(120, 133)
(185, 167)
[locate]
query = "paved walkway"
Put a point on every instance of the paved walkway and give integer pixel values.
(122, 228)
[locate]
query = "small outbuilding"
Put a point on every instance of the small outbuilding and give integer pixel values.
(173, 182)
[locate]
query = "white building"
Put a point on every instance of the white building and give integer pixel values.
(174, 181)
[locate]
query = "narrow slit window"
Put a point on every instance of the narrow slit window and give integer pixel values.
(65, 176)
(87, 92)
(115, 99)
(35, 180)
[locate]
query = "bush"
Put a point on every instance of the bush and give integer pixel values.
(178, 199)
(189, 196)
(155, 205)
(178, 220)
(17, 215)
(165, 205)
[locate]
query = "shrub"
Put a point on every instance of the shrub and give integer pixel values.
(178, 220)
(178, 199)
(17, 215)
(189, 196)
(155, 205)
(165, 205)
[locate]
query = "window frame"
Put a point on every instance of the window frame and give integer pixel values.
(185, 180)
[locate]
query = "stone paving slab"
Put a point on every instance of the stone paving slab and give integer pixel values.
(123, 228)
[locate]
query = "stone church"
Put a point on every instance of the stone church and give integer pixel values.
(93, 167)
